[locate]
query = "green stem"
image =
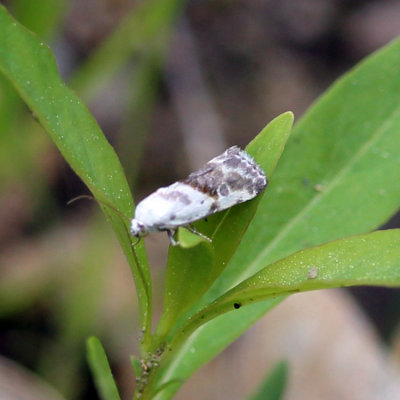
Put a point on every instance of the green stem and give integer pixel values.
(146, 315)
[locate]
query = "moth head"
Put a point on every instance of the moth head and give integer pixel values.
(137, 228)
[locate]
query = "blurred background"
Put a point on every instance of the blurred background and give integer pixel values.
(172, 84)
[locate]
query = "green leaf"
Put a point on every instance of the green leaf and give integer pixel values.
(348, 143)
(101, 370)
(274, 384)
(340, 173)
(189, 239)
(31, 68)
(371, 259)
(191, 271)
(137, 365)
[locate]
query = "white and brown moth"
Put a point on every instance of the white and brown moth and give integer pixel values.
(228, 179)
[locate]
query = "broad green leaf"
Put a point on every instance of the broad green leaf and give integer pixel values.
(347, 143)
(274, 384)
(340, 173)
(31, 68)
(101, 370)
(370, 259)
(191, 271)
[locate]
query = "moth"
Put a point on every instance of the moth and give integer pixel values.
(228, 179)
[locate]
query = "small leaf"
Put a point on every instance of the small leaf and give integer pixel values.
(190, 272)
(101, 370)
(137, 365)
(187, 239)
(274, 384)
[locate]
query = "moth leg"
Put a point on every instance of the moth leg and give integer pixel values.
(171, 237)
(191, 228)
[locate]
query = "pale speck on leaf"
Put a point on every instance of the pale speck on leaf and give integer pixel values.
(312, 273)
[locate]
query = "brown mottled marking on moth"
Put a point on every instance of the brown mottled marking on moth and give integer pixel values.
(223, 190)
(230, 171)
(237, 182)
(207, 179)
(241, 183)
(175, 195)
(250, 170)
(250, 189)
(260, 184)
(233, 150)
(214, 207)
(233, 162)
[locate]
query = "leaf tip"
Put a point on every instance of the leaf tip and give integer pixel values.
(286, 118)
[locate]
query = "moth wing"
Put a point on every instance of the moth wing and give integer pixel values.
(230, 178)
(200, 205)
(173, 206)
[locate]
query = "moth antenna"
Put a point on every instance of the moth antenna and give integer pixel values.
(82, 196)
(88, 197)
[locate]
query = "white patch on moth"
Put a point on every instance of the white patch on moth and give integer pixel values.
(228, 179)
(172, 206)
